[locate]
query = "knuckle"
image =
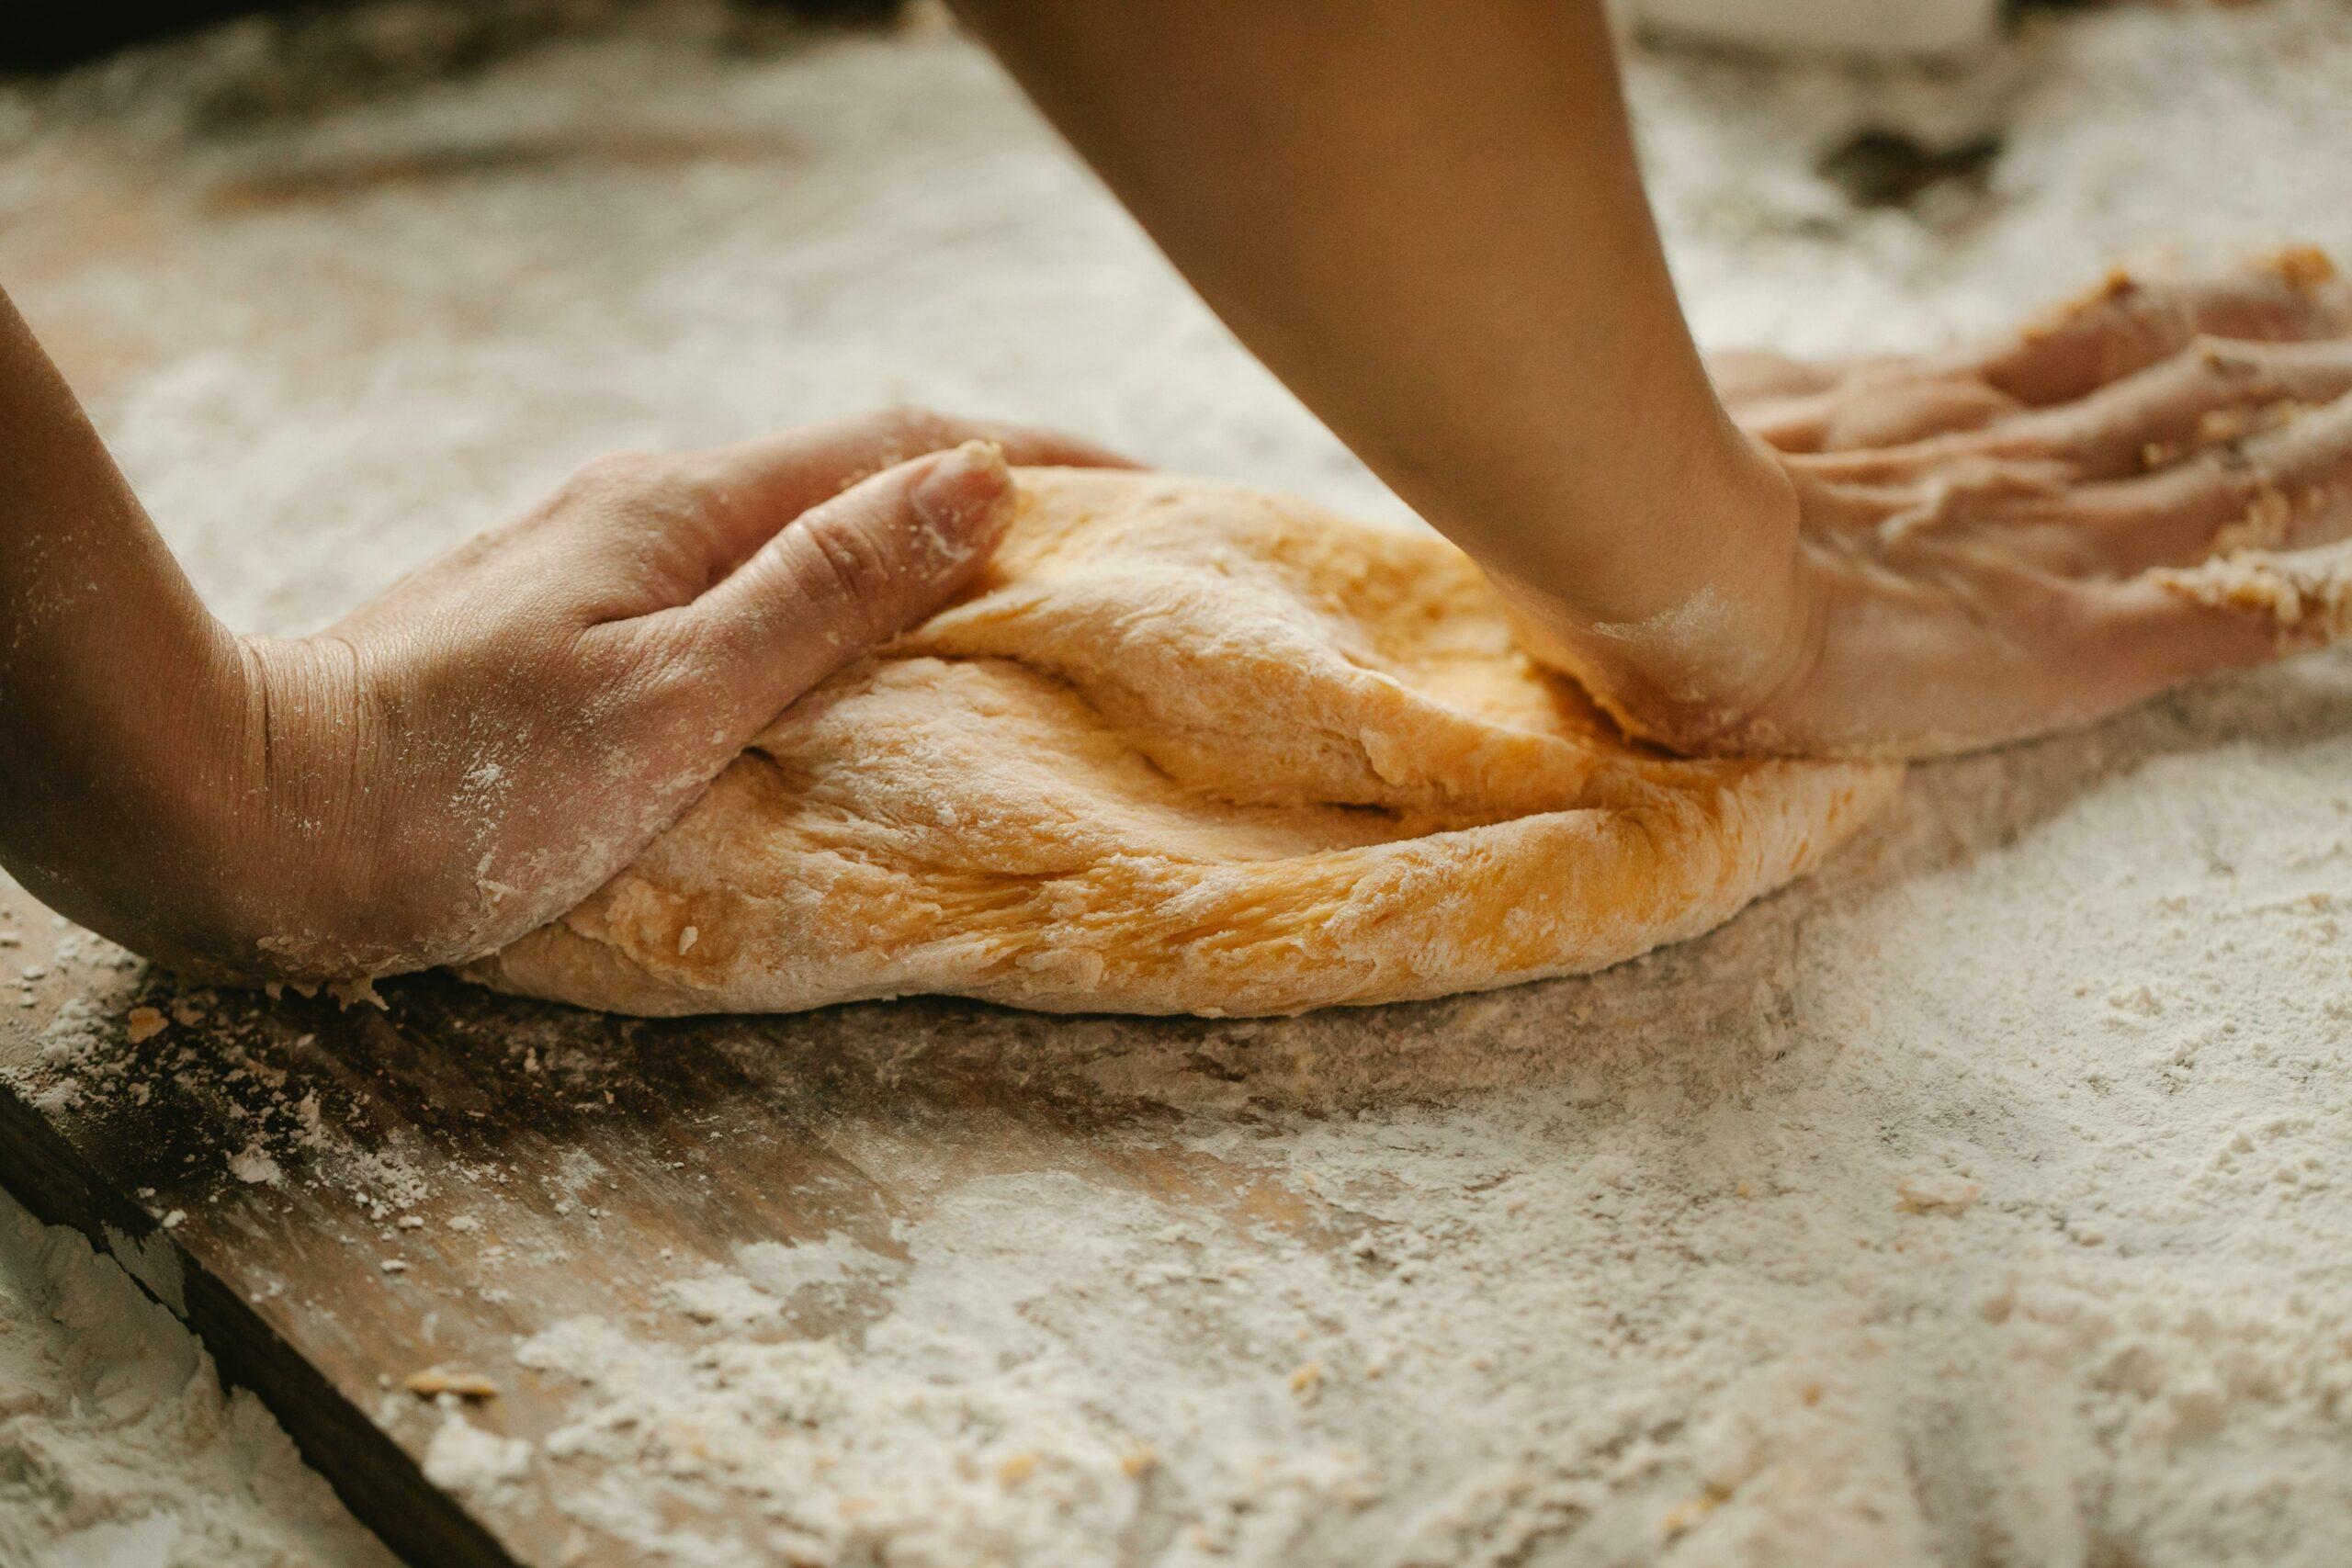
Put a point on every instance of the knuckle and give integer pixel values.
(664, 668)
(655, 489)
(621, 473)
(909, 430)
(641, 672)
(851, 564)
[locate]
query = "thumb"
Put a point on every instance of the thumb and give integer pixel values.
(855, 571)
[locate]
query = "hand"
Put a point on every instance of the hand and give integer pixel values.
(475, 752)
(2137, 489)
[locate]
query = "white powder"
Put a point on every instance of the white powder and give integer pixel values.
(473, 1462)
(1979, 1201)
(769, 1276)
(255, 1164)
(119, 1449)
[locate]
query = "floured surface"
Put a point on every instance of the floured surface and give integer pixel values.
(1980, 1198)
(123, 1450)
(1188, 748)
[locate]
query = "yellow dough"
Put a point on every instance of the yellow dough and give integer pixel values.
(1188, 748)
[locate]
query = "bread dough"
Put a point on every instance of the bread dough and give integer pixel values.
(1188, 748)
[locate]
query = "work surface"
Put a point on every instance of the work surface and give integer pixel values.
(1980, 1199)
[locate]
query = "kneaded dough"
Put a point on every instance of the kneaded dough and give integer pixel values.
(1190, 749)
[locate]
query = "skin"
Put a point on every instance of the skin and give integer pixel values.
(1428, 221)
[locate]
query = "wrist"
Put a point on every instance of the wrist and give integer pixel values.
(255, 862)
(250, 874)
(1721, 622)
(358, 855)
(138, 818)
(299, 893)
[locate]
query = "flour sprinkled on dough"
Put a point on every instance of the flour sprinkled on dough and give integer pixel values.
(1190, 749)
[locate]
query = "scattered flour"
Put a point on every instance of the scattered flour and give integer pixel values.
(472, 1462)
(117, 1447)
(769, 1277)
(255, 1164)
(1981, 1201)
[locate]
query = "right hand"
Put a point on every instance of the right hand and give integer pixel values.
(2145, 485)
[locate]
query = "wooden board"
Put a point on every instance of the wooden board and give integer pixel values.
(339, 1199)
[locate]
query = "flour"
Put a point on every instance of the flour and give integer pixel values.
(769, 1277)
(256, 1163)
(960, 1430)
(1981, 1201)
(119, 1449)
(466, 1459)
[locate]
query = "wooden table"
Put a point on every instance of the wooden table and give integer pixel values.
(340, 1199)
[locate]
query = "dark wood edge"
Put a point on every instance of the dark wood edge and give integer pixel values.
(383, 1487)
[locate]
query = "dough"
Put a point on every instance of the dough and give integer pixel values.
(1187, 749)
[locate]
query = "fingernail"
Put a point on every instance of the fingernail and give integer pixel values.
(966, 493)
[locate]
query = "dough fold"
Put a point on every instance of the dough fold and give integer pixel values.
(1188, 748)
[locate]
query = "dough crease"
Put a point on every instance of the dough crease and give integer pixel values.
(1187, 749)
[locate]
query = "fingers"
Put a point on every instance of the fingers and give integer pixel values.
(1887, 405)
(840, 452)
(846, 575)
(2246, 461)
(2156, 631)
(2125, 324)
(2287, 487)
(2233, 611)
(759, 486)
(2124, 327)
(2214, 391)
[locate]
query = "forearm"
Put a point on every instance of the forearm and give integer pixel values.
(125, 722)
(1428, 221)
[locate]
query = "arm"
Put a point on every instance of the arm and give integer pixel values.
(1428, 221)
(124, 708)
(472, 753)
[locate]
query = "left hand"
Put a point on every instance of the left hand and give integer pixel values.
(478, 749)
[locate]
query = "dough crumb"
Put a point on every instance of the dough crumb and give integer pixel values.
(356, 992)
(2306, 594)
(1934, 1195)
(433, 1382)
(2302, 266)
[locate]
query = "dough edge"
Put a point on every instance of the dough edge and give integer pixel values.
(1548, 893)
